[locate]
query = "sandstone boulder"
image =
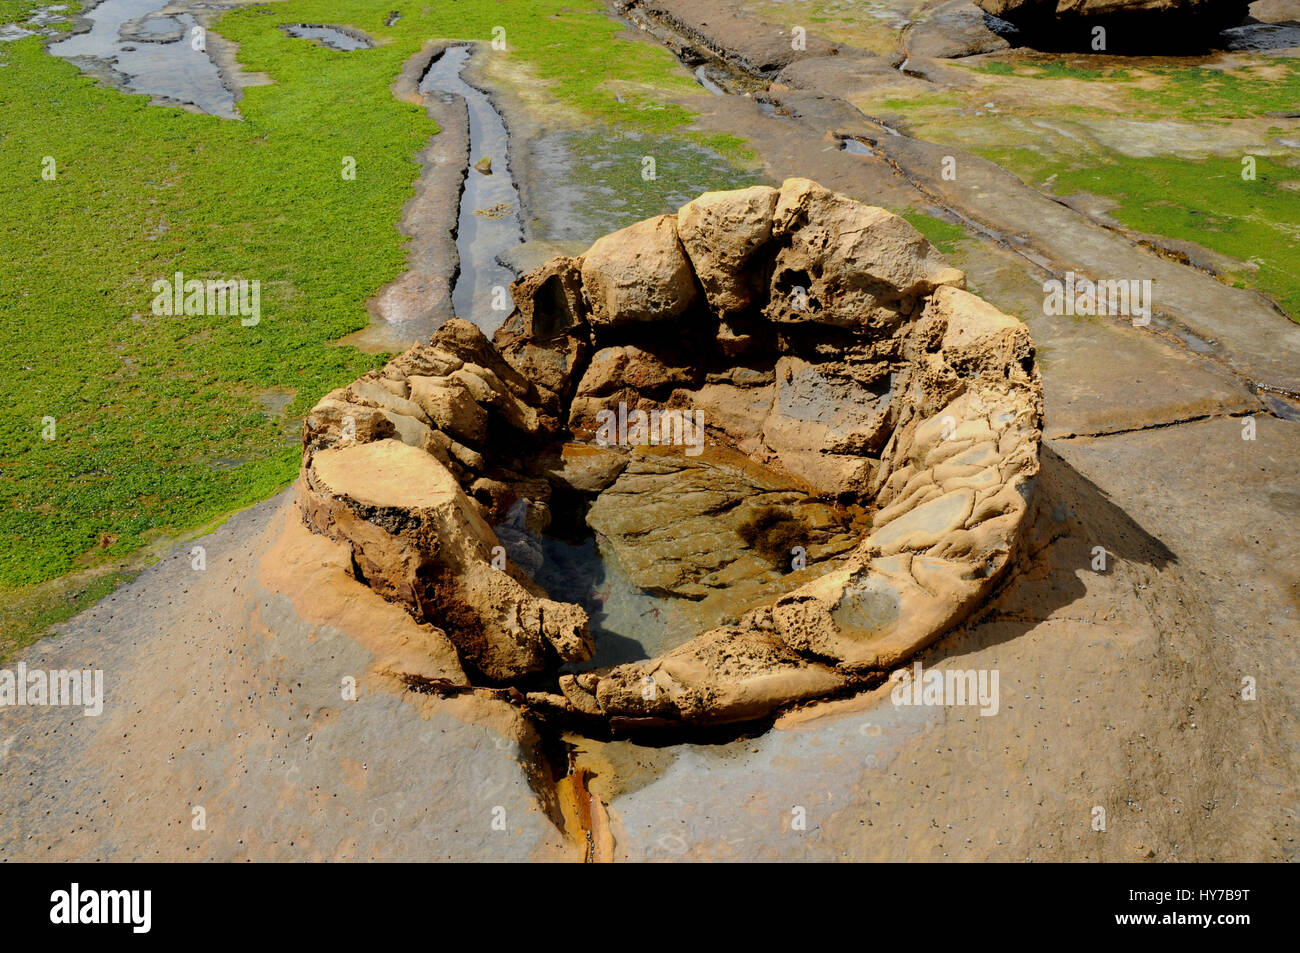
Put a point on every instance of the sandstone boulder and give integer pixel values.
(721, 231)
(581, 468)
(553, 368)
(549, 298)
(639, 273)
(726, 675)
(819, 410)
(450, 404)
(643, 369)
(417, 539)
(847, 264)
(465, 343)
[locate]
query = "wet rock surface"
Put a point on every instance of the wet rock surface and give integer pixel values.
(793, 420)
(680, 524)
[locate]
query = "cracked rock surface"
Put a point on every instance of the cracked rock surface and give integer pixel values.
(853, 475)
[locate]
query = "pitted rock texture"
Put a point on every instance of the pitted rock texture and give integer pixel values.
(860, 411)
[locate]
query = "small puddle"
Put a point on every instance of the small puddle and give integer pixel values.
(12, 31)
(588, 183)
(769, 108)
(489, 223)
(1197, 343)
(152, 56)
(1281, 407)
(702, 77)
(333, 37)
(274, 401)
(628, 623)
(572, 563)
(856, 147)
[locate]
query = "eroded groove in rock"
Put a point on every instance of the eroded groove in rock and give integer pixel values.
(849, 441)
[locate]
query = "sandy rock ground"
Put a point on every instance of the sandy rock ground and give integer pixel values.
(222, 695)
(1120, 689)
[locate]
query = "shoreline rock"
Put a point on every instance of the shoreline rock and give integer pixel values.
(832, 355)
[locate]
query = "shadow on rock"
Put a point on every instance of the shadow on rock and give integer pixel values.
(1075, 526)
(1132, 29)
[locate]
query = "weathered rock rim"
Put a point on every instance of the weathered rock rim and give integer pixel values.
(849, 446)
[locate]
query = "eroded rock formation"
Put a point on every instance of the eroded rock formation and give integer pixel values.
(867, 439)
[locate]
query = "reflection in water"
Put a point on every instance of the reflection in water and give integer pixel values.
(627, 623)
(331, 36)
(172, 70)
(489, 221)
